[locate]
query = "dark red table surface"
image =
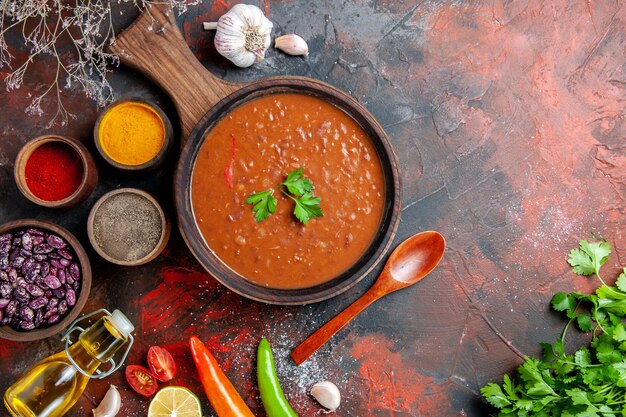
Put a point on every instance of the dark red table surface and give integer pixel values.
(508, 121)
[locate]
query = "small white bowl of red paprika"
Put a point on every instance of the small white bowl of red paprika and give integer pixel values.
(55, 171)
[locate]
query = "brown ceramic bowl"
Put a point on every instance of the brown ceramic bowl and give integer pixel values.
(370, 257)
(8, 332)
(201, 99)
(84, 190)
(158, 158)
(102, 243)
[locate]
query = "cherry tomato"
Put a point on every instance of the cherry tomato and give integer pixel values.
(141, 380)
(161, 363)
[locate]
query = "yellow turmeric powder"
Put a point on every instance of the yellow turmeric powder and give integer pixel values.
(131, 133)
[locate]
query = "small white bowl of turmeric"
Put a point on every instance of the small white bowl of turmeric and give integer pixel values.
(133, 134)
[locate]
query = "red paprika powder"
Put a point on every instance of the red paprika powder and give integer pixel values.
(54, 171)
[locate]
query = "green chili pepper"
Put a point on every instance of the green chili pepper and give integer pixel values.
(274, 400)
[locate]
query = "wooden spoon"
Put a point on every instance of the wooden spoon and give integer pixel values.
(411, 261)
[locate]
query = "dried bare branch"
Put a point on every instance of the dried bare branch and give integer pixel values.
(87, 25)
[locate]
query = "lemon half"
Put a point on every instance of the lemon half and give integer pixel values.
(175, 402)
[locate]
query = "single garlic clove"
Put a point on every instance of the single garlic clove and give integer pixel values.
(327, 394)
(292, 44)
(110, 404)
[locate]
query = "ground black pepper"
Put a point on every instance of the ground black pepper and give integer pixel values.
(127, 227)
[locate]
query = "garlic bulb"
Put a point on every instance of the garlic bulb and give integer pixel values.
(243, 34)
(292, 44)
(110, 404)
(327, 394)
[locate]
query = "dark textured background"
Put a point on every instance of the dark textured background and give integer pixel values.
(508, 120)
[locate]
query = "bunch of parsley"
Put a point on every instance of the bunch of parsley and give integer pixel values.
(591, 381)
(299, 189)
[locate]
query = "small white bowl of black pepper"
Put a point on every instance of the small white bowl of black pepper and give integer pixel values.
(128, 227)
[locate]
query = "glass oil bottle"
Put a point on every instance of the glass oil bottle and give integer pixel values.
(53, 385)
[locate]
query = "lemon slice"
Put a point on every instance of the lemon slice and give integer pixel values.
(175, 402)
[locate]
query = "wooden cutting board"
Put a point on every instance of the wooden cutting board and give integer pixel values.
(154, 46)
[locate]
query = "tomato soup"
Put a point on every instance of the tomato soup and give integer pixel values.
(252, 149)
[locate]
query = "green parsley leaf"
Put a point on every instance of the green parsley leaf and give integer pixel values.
(538, 405)
(610, 373)
(297, 184)
(605, 291)
(548, 352)
(299, 190)
(581, 263)
(613, 306)
(264, 204)
(559, 349)
(606, 353)
(592, 377)
(584, 322)
(582, 357)
(619, 333)
(589, 258)
(540, 388)
(307, 207)
(530, 373)
(494, 395)
(524, 404)
(578, 396)
(509, 387)
(563, 302)
(620, 367)
(621, 281)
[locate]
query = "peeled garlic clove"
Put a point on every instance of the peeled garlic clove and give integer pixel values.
(327, 394)
(292, 44)
(110, 404)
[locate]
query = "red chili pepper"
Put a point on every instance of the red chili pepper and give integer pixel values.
(229, 171)
(225, 400)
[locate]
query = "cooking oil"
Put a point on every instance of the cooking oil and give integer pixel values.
(54, 384)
